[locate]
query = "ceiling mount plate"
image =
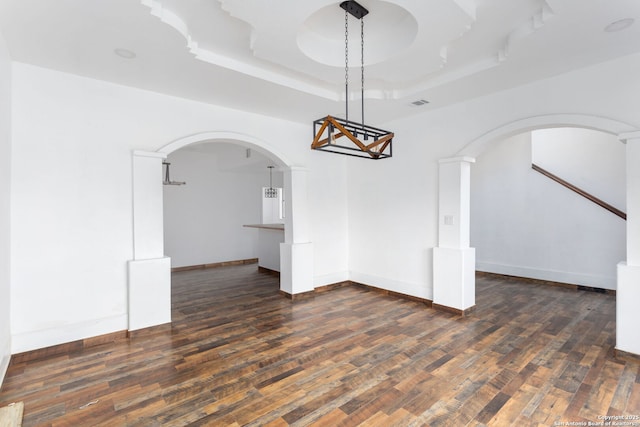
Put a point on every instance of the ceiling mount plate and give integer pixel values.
(354, 8)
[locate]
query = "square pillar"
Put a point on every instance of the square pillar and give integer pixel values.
(453, 259)
(627, 315)
(454, 284)
(628, 285)
(148, 226)
(633, 197)
(149, 293)
(149, 287)
(296, 268)
(296, 253)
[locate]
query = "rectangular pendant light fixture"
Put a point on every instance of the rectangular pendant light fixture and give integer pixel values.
(352, 139)
(342, 136)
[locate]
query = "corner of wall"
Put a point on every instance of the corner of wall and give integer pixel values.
(5, 206)
(5, 358)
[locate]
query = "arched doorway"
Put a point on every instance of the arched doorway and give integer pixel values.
(525, 224)
(212, 219)
(454, 259)
(149, 272)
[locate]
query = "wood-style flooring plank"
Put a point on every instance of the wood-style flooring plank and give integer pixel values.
(239, 354)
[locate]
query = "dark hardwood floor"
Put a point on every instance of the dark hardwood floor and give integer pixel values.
(238, 353)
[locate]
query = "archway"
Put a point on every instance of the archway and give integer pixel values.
(454, 260)
(525, 224)
(493, 136)
(150, 270)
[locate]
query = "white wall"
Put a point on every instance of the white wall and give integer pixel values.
(5, 211)
(525, 224)
(328, 216)
(71, 189)
(72, 192)
(203, 220)
(393, 215)
(393, 211)
(591, 160)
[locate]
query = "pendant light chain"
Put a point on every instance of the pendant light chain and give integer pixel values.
(362, 67)
(346, 64)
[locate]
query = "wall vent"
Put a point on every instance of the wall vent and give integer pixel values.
(420, 102)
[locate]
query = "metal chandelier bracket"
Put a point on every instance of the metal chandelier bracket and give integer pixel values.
(359, 140)
(167, 178)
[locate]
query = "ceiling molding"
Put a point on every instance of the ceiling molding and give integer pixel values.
(258, 71)
(246, 54)
(273, 56)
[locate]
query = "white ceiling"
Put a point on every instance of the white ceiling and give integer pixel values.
(285, 58)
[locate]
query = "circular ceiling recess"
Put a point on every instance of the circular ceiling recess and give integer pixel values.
(388, 29)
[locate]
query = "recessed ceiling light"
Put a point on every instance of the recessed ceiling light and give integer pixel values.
(124, 53)
(619, 25)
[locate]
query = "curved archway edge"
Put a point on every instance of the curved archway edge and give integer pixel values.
(484, 141)
(245, 140)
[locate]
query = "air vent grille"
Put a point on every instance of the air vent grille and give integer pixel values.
(420, 102)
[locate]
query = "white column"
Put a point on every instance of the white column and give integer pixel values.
(148, 240)
(453, 259)
(628, 286)
(296, 253)
(633, 197)
(149, 271)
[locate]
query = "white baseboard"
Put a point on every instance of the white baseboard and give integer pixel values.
(330, 279)
(596, 281)
(34, 340)
(406, 288)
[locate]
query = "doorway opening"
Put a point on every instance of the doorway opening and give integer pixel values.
(534, 212)
(214, 219)
(149, 290)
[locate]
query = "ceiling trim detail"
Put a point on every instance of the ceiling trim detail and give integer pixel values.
(435, 58)
(170, 18)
